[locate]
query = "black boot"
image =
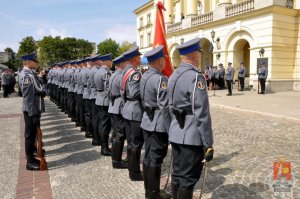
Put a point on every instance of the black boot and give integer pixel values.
(96, 142)
(116, 155)
(175, 188)
(135, 173)
(105, 151)
(154, 184)
(185, 194)
(32, 164)
(146, 179)
(88, 134)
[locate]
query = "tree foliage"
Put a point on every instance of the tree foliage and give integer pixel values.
(55, 49)
(125, 45)
(108, 46)
(27, 45)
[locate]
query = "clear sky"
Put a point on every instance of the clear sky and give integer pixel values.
(93, 20)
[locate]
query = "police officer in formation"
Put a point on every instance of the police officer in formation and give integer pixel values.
(241, 76)
(132, 112)
(229, 78)
(140, 108)
(95, 63)
(155, 122)
(101, 80)
(117, 121)
(190, 131)
(32, 106)
(262, 76)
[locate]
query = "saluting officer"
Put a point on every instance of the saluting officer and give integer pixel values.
(262, 76)
(156, 121)
(101, 79)
(190, 132)
(114, 109)
(32, 106)
(229, 78)
(241, 75)
(132, 112)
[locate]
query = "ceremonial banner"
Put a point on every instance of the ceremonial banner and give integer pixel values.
(160, 37)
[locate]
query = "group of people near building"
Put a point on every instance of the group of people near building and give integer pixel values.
(7, 82)
(144, 109)
(216, 77)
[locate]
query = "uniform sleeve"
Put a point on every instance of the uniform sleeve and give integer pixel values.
(200, 105)
(134, 85)
(162, 101)
(28, 93)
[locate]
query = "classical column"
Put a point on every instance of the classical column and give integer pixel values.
(169, 11)
(224, 3)
(191, 8)
(177, 12)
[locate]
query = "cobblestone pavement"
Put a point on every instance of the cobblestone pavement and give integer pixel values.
(245, 149)
(10, 145)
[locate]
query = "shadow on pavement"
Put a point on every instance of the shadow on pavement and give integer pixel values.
(75, 159)
(64, 139)
(71, 147)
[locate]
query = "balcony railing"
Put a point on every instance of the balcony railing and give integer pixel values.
(239, 8)
(174, 27)
(202, 19)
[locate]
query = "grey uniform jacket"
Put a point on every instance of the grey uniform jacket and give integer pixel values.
(115, 93)
(71, 80)
(61, 78)
(242, 72)
(31, 87)
(92, 85)
(216, 74)
(221, 72)
(187, 89)
(85, 79)
(80, 82)
(133, 108)
(67, 78)
(76, 73)
(262, 73)
(154, 94)
(101, 80)
(229, 74)
(210, 73)
(5, 79)
(49, 76)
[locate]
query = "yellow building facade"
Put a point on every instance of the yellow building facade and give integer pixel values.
(239, 30)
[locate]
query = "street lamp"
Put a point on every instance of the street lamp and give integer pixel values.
(213, 35)
(262, 52)
(182, 40)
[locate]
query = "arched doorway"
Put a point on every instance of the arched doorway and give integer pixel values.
(207, 56)
(241, 52)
